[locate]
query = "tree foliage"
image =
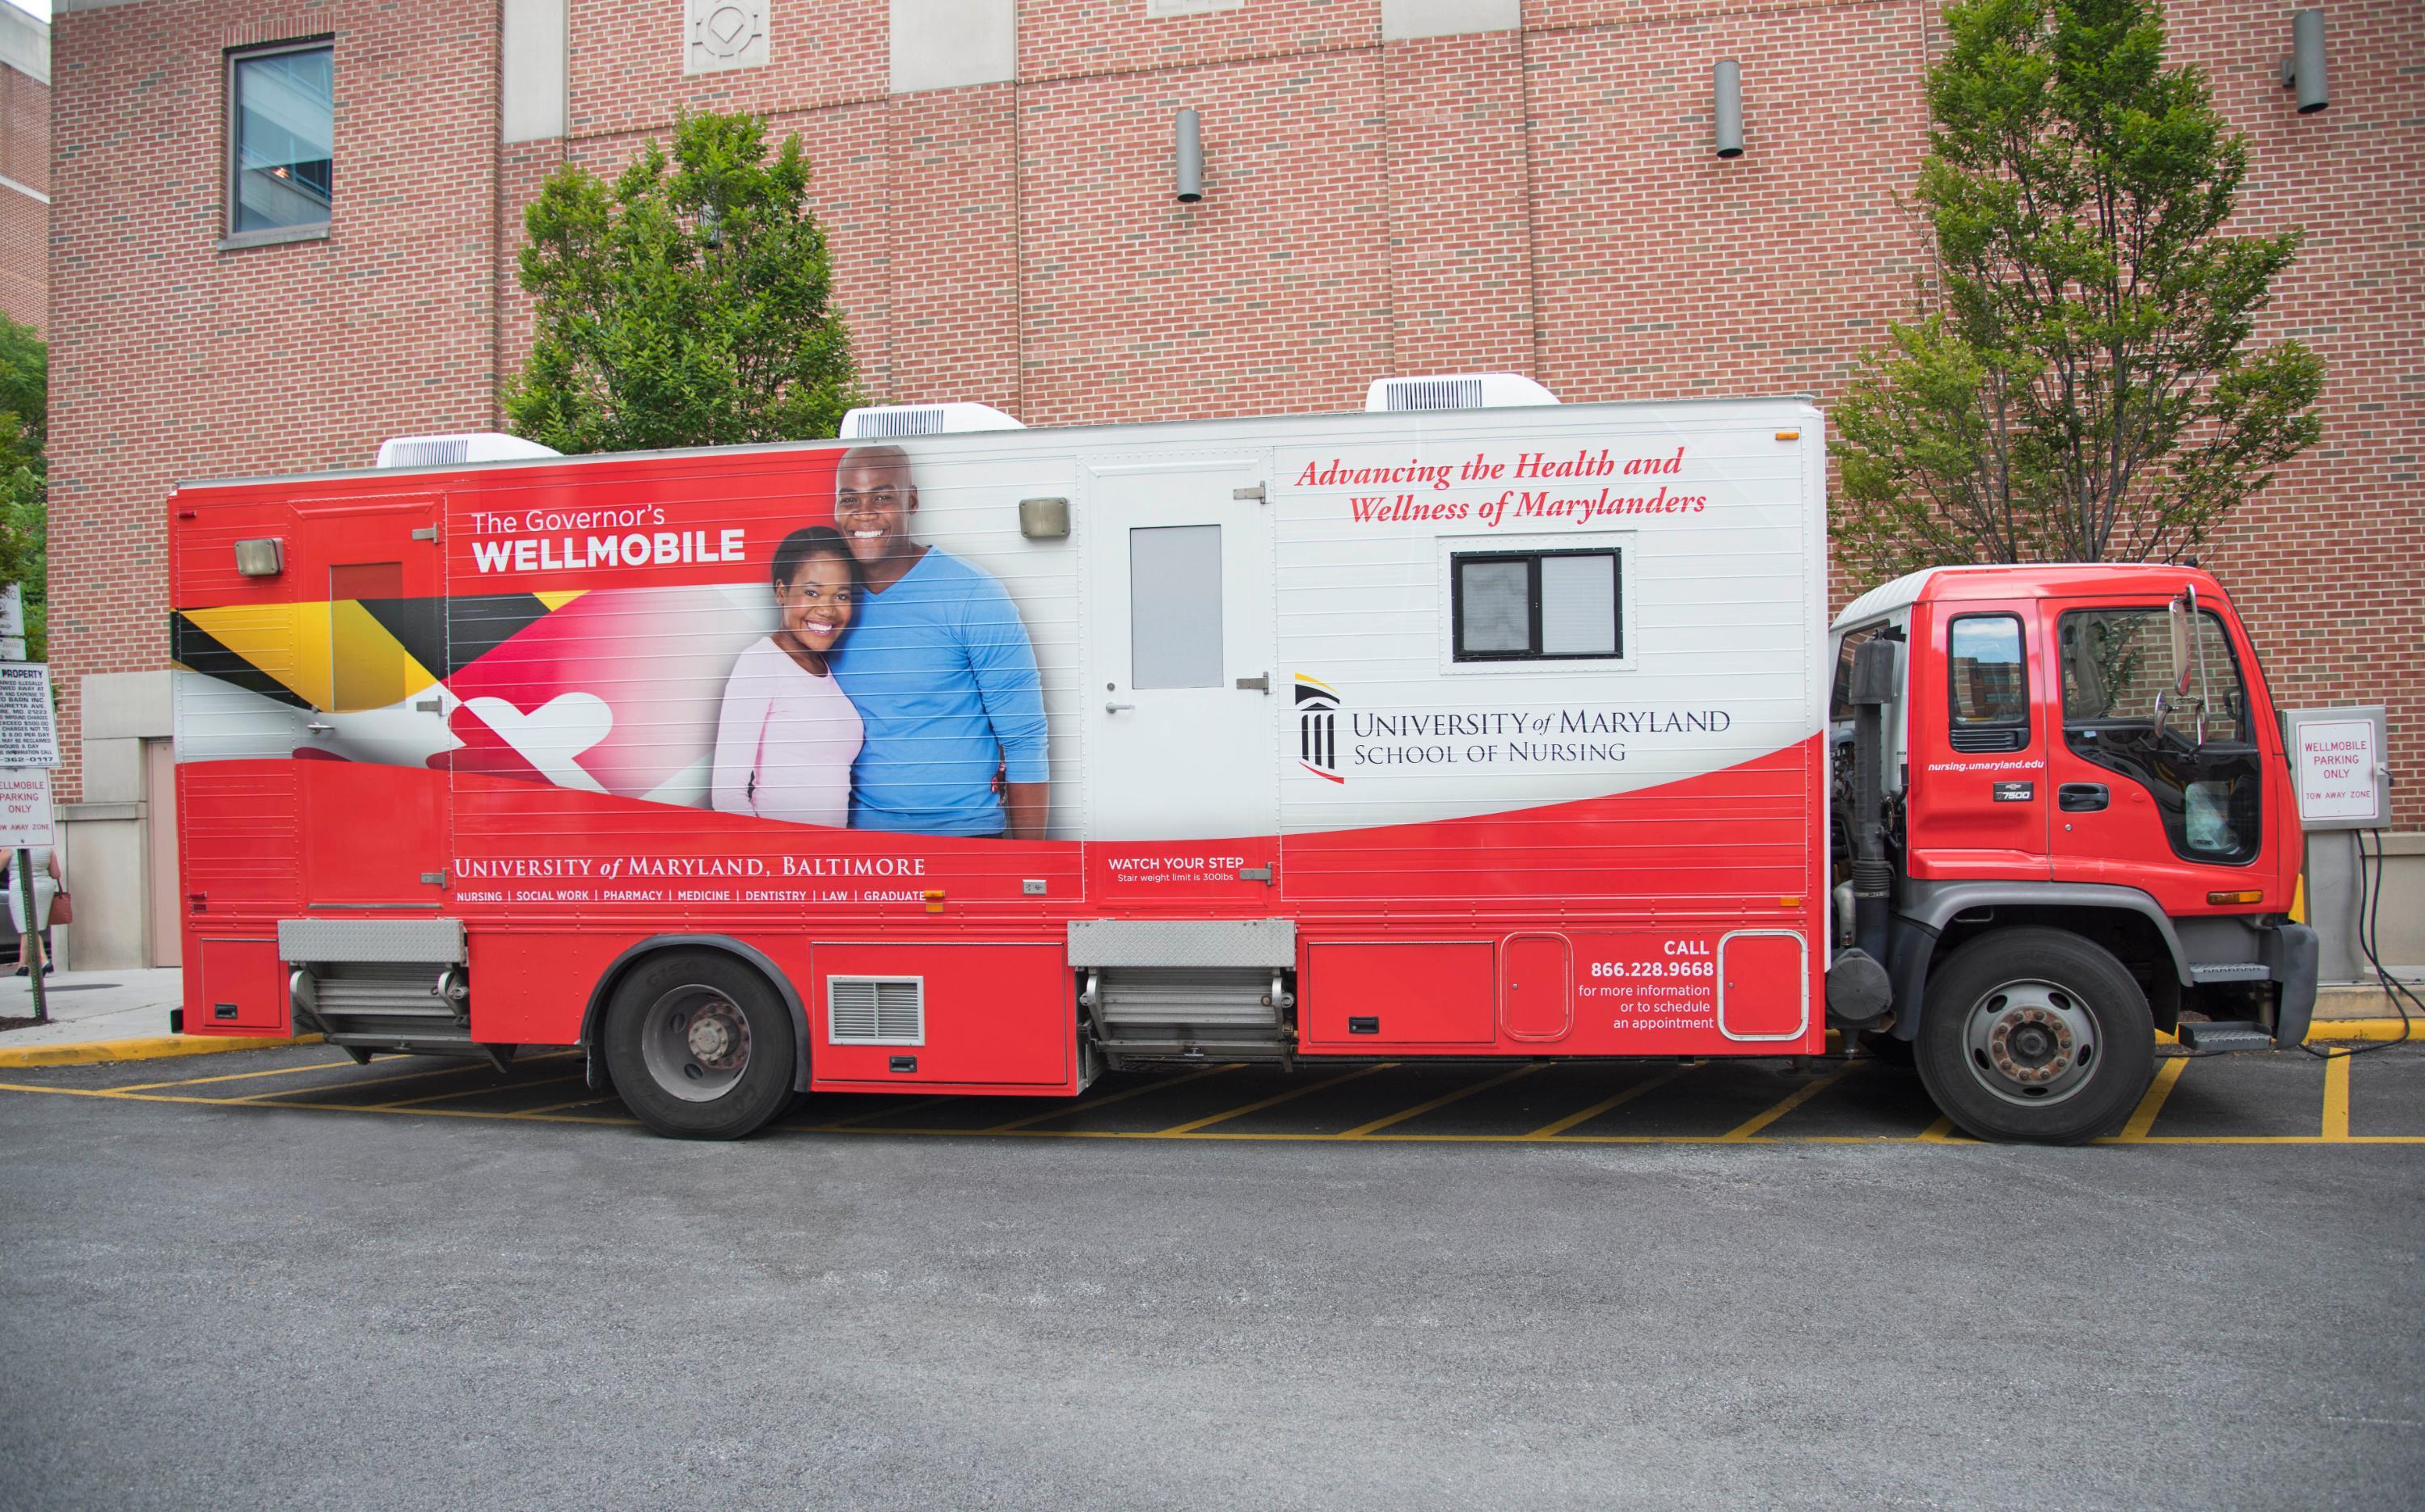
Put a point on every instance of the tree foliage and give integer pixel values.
(25, 433)
(686, 304)
(2083, 388)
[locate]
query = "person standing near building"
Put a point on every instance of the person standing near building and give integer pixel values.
(33, 941)
(941, 671)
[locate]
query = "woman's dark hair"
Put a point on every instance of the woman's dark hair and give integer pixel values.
(814, 541)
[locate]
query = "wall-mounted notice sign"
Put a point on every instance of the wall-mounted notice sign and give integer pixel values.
(2338, 757)
(24, 808)
(29, 736)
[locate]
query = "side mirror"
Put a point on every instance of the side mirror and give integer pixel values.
(2179, 621)
(1878, 672)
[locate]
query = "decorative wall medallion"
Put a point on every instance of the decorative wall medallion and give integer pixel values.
(724, 34)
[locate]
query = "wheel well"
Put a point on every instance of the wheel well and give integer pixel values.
(622, 966)
(2130, 939)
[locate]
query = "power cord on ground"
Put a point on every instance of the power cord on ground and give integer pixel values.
(2369, 909)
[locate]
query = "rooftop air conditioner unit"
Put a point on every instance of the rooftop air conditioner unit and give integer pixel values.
(876, 423)
(455, 450)
(1456, 391)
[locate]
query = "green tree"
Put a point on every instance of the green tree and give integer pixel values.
(24, 516)
(2081, 387)
(686, 304)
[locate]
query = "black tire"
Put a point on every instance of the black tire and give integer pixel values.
(2035, 1036)
(701, 1046)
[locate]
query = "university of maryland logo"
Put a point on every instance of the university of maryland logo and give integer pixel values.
(1317, 729)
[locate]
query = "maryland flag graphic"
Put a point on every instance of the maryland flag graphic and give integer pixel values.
(612, 690)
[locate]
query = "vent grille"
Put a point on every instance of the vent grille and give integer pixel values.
(437, 451)
(875, 1010)
(1436, 393)
(1994, 738)
(924, 421)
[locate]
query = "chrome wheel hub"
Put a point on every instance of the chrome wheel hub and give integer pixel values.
(694, 1041)
(2030, 1043)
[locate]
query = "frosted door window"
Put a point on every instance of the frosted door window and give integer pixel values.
(1175, 606)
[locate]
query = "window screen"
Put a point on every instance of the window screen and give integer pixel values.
(1175, 606)
(1537, 606)
(282, 115)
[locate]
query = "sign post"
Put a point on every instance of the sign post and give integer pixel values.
(2337, 757)
(29, 748)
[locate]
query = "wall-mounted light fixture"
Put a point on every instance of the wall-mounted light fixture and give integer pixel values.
(1726, 106)
(2304, 70)
(1188, 164)
(262, 556)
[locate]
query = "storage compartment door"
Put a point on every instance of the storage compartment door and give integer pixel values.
(1372, 995)
(236, 986)
(1763, 985)
(999, 1016)
(1537, 992)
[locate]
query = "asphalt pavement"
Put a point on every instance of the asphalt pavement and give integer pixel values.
(282, 1281)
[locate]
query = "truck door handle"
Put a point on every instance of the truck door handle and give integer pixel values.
(2082, 796)
(318, 728)
(1114, 709)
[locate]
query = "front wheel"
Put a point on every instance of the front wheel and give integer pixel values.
(2035, 1036)
(699, 1046)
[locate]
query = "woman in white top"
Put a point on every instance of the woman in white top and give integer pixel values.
(787, 735)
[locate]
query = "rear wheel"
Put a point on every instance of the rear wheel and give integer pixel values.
(699, 1046)
(2036, 1036)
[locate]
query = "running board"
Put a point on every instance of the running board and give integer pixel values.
(2216, 1039)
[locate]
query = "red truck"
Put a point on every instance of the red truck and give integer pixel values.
(975, 758)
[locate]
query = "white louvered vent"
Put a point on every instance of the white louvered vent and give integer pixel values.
(1436, 393)
(454, 451)
(877, 423)
(1456, 391)
(875, 1010)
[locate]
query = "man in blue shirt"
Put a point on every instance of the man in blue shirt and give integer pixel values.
(939, 667)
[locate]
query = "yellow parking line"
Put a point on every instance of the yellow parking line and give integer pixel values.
(1940, 1132)
(1757, 1122)
(1551, 1131)
(1193, 1124)
(310, 1108)
(500, 1086)
(559, 1107)
(2337, 1075)
(238, 1076)
(2143, 1118)
(452, 1068)
(1363, 1130)
(1081, 1106)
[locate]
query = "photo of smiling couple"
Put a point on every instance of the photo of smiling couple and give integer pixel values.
(899, 690)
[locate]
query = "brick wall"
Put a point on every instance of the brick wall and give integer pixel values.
(1543, 201)
(25, 220)
(171, 358)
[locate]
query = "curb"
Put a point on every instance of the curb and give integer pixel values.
(2337, 1030)
(150, 1047)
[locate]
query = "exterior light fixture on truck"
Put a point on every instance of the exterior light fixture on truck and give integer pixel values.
(986, 759)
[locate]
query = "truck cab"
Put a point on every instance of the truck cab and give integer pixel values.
(2076, 825)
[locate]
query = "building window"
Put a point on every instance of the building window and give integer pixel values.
(1536, 606)
(282, 120)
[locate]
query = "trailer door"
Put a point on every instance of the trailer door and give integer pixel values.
(1180, 713)
(375, 831)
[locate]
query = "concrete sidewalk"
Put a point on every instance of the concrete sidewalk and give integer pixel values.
(92, 1005)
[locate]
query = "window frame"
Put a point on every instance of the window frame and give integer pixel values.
(1532, 557)
(1954, 724)
(230, 145)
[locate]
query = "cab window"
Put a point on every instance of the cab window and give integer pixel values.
(1988, 698)
(2191, 749)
